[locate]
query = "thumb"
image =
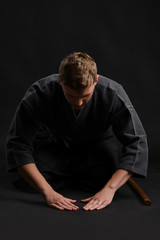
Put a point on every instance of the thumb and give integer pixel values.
(86, 200)
(71, 200)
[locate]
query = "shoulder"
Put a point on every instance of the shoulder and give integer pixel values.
(43, 87)
(107, 87)
(111, 90)
(48, 81)
(107, 83)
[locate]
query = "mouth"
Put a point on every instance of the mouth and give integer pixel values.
(77, 108)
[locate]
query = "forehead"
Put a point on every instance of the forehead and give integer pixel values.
(75, 93)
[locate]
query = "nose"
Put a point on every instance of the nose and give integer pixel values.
(78, 103)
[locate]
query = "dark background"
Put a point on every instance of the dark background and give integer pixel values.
(122, 36)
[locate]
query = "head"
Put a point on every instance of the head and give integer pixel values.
(78, 77)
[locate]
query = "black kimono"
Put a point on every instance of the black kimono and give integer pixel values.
(86, 147)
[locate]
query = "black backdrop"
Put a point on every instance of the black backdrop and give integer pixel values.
(122, 36)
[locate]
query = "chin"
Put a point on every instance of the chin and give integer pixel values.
(77, 108)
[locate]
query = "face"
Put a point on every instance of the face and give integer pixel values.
(78, 99)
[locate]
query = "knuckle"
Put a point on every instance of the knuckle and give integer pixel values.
(61, 199)
(49, 203)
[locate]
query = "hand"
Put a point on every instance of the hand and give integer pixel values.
(56, 200)
(99, 200)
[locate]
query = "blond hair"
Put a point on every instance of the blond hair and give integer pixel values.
(78, 71)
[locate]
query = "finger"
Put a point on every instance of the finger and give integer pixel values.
(92, 204)
(103, 205)
(95, 206)
(86, 200)
(71, 205)
(65, 202)
(56, 206)
(68, 205)
(64, 205)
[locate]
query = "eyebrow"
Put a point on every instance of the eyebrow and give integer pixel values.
(81, 96)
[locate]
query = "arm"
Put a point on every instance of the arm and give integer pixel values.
(53, 199)
(31, 112)
(131, 134)
(23, 130)
(104, 197)
(32, 175)
(118, 179)
(129, 130)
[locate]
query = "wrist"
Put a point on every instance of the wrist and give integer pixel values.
(118, 179)
(111, 186)
(46, 190)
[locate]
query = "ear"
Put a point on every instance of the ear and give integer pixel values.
(59, 79)
(96, 79)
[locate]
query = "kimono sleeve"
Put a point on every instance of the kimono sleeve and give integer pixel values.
(20, 137)
(130, 132)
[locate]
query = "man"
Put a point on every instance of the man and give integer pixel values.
(79, 129)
